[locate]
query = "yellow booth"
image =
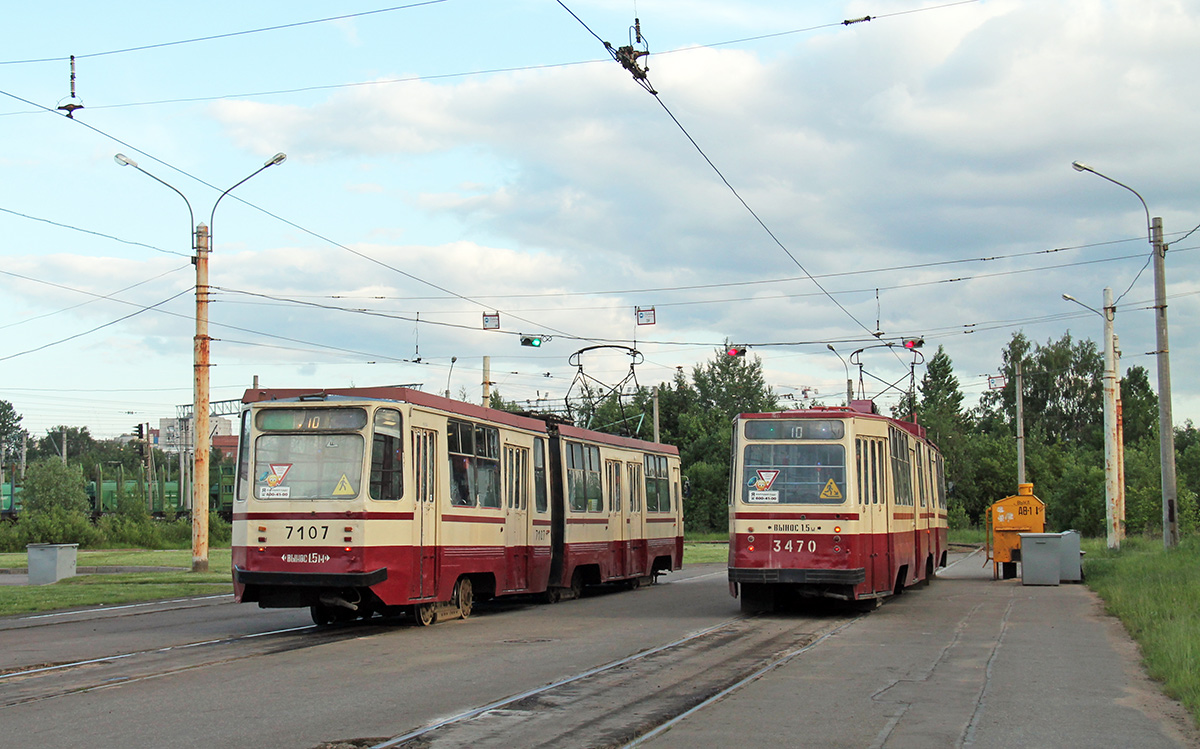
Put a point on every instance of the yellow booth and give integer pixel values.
(1006, 521)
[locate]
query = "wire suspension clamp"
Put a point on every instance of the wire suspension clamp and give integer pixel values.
(630, 56)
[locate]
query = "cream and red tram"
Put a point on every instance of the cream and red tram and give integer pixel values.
(833, 502)
(359, 501)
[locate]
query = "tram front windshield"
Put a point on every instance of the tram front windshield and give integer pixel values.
(309, 453)
(793, 472)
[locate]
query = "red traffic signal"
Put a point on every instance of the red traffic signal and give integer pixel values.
(735, 351)
(914, 342)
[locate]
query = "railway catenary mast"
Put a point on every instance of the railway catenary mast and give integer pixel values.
(833, 502)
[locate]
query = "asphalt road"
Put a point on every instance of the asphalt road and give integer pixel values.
(219, 674)
(962, 662)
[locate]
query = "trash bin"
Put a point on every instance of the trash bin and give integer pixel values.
(49, 563)
(1070, 570)
(1041, 558)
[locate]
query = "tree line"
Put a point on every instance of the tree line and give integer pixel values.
(1064, 449)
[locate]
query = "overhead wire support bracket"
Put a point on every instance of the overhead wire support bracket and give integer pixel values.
(849, 21)
(630, 56)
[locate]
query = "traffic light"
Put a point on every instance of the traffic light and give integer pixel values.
(914, 342)
(531, 340)
(139, 431)
(735, 351)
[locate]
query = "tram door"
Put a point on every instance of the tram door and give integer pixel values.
(635, 526)
(879, 526)
(424, 452)
(618, 516)
(516, 517)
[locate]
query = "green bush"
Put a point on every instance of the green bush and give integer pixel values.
(56, 526)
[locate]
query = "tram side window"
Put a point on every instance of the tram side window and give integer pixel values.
(612, 470)
(658, 484)
(876, 462)
(474, 464)
(921, 473)
(635, 486)
(901, 469)
(540, 502)
(387, 456)
(583, 478)
(860, 471)
(243, 474)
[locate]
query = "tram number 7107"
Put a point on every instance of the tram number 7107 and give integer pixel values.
(310, 532)
(798, 544)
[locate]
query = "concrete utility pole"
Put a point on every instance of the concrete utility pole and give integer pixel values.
(1111, 457)
(487, 379)
(1166, 428)
(1020, 426)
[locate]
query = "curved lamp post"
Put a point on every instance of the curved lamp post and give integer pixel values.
(849, 382)
(1166, 428)
(200, 364)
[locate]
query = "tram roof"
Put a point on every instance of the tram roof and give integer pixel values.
(395, 394)
(857, 409)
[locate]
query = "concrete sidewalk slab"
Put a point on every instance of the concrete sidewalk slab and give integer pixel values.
(964, 662)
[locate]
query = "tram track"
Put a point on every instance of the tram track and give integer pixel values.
(43, 681)
(621, 703)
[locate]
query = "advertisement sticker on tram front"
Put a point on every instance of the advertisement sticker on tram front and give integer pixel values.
(761, 486)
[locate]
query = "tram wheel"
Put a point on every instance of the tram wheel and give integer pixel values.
(321, 614)
(425, 614)
(577, 583)
(464, 595)
(757, 598)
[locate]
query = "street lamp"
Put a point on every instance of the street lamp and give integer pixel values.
(200, 364)
(1166, 428)
(1113, 515)
(849, 382)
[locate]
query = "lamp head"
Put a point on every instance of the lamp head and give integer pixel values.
(124, 160)
(830, 347)
(278, 158)
(1080, 167)
(1069, 298)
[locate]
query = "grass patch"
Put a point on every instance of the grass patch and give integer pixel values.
(218, 559)
(1156, 595)
(109, 590)
(972, 536)
(706, 553)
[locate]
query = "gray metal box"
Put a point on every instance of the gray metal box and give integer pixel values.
(1070, 570)
(49, 563)
(1041, 558)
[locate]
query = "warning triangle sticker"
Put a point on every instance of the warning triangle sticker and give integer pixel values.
(766, 477)
(343, 488)
(830, 491)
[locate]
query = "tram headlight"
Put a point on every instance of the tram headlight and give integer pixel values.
(837, 529)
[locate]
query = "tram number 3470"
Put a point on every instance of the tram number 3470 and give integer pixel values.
(310, 532)
(798, 544)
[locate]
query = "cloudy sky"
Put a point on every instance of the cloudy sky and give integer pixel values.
(797, 182)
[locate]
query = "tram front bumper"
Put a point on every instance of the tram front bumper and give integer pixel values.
(798, 576)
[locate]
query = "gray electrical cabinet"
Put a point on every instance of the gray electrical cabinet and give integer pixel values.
(49, 563)
(1070, 569)
(1041, 558)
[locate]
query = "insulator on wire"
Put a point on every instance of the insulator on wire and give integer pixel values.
(71, 105)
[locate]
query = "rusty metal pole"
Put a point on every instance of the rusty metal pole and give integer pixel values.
(200, 408)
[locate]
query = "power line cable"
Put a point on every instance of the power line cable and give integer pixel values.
(93, 233)
(640, 75)
(228, 35)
